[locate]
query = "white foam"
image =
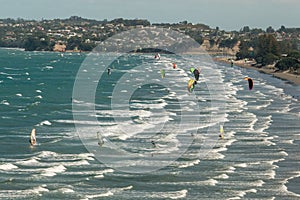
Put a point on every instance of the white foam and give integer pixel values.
(52, 171)
(38, 97)
(179, 194)
(86, 156)
(7, 167)
(283, 153)
(29, 162)
(189, 164)
(46, 122)
(241, 165)
(101, 173)
(222, 176)
(19, 95)
(211, 182)
(106, 194)
(65, 190)
(170, 195)
(4, 102)
(47, 67)
(46, 154)
(39, 189)
(38, 91)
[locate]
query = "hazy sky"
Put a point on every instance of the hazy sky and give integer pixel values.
(227, 14)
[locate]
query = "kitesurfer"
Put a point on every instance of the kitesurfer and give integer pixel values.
(196, 73)
(153, 143)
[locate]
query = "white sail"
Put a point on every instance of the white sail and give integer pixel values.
(33, 137)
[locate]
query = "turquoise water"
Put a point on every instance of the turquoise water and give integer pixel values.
(258, 159)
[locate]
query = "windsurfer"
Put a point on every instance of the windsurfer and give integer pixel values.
(157, 56)
(32, 139)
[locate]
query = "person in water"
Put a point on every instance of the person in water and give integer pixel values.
(108, 71)
(32, 142)
(153, 143)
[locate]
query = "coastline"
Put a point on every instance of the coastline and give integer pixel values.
(293, 78)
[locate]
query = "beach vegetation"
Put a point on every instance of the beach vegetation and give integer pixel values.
(288, 63)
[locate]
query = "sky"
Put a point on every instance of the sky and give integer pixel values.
(226, 14)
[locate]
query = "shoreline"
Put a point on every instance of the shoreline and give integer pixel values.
(292, 78)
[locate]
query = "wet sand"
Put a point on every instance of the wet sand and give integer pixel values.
(282, 75)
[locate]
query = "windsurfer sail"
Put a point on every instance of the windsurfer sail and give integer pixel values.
(163, 73)
(32, 137)
(157, 56)
(221, 135)
(100, 139)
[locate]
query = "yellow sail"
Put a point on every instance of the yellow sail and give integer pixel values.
(221, 132)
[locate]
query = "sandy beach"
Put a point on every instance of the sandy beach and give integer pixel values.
(293, 78)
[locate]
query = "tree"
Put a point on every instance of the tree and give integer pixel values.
(288, 63)
(37, 44)
(270, 30)
(267, 50)
(294, 54)
(244, 50)
(211, 42)
(282, 29)
(73, 43)
(245, 29)
(228, 43)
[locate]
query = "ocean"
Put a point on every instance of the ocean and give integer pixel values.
(160, 140)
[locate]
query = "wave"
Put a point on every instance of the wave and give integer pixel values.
(38, 97)
(222, 176)
(52, 171)
(8, 167)
(106, 194)
(5, 102)
(188, 163)
(46, 122)
(169, 194)
(112, 192)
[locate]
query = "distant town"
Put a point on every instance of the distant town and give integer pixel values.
(77, 34)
